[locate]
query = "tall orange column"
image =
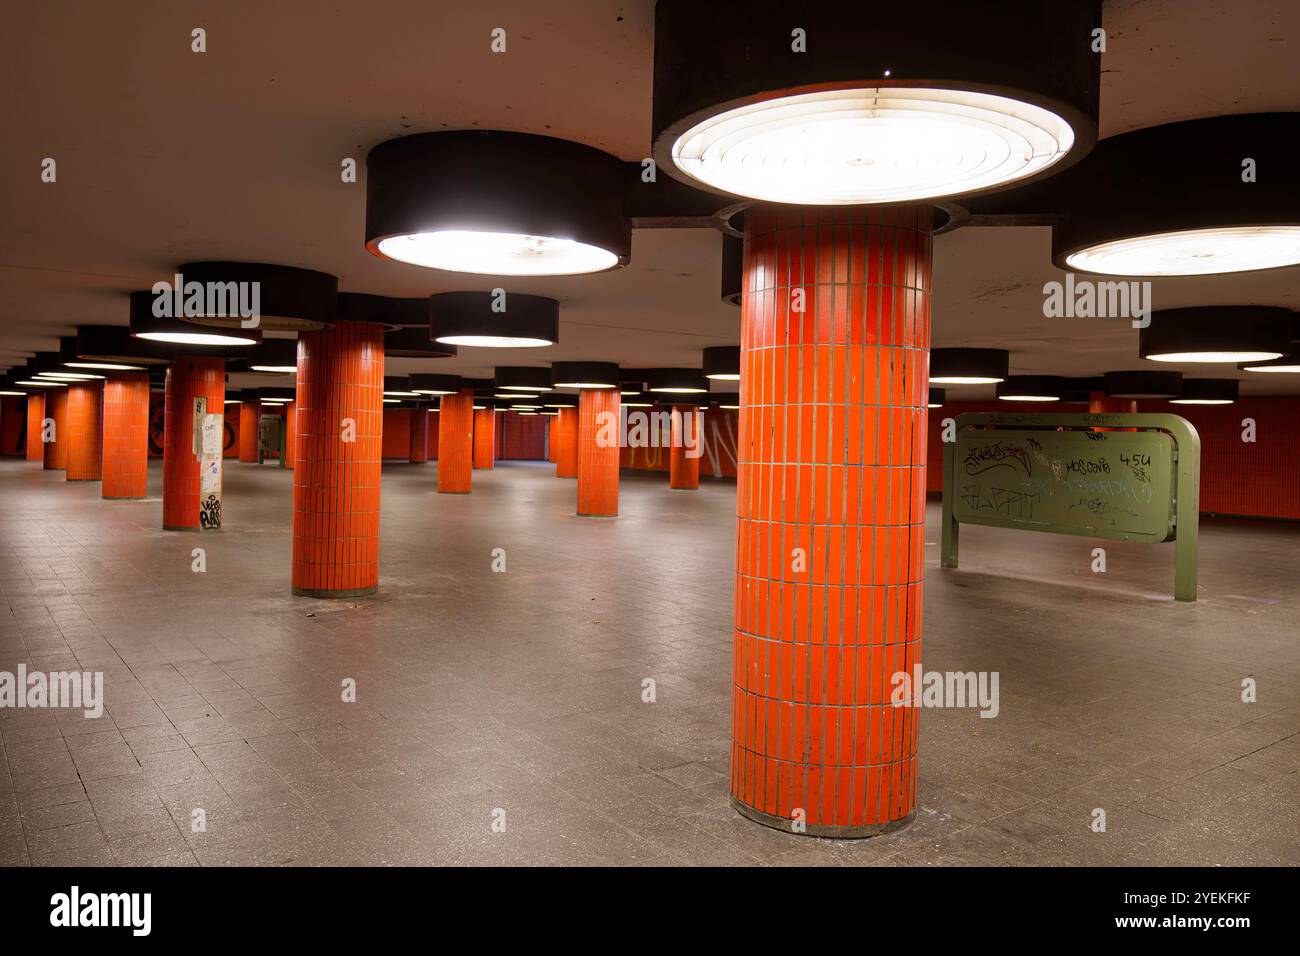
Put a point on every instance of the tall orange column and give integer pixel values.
(552, 438)
(339, 421)
(419, 434)
(434, 431)
(456, 443)
(830, 516)
(85, 431)
(250, 414)
(56, 411)
(188, 379)
(684, 457)
(35, 423)
(485, 437)
(566, 443)
(126, 436)
(1099, 403)
(598, 452)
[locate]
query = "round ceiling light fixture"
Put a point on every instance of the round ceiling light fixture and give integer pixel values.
(278, 356)
(273, 396)
(399, 386)
(1216, 333)
(153, 328)
(560, 400)
(112, 347)
(722, 362)
(969, 366)
(583, 375)
(415, 343)
(496, 203)
(484, 320)
(1200, 197)
(431, 383)
(1287, 364)
(858, 106)
(522, 378)
(935, 398)
(678, 381)
(1080, 389)
(1208, 391)
(268, 297)
(1143, 384)
(727, 400)
(1032, 388)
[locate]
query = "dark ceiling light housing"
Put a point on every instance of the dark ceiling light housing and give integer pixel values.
(1143, 384)
(289, 299)
(969, 366)
(935, 398)
(680, 381)
(722, 362)
(415, 343)
(276, 396)
(582, 375)
(273, 355)
(248, 394)
(398, 386)
(1178, 200)
(431, 383)
(496, 203)
(472, 319)
(729, 400)
(1287, 364)
(1207, 391)
(873, 107)
(560, 400)
(633, 381)
(733, 268)
(1216, 333)
(1081, 389)
(522, 378)
(105, 346)
(1031, 388)
(396, 313)
(146, 325)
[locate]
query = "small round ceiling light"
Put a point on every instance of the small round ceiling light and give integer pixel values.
(1031, 388)
(273, 355)
(1287, 364)
(1143, 384)
(560, 400)
(523, 378)
(678, 381)
(496, 203)
(274, 396)
(935, 398)
(583, 375)
(398, 386)
(722, 362)
(153, 328)
(861, 106)
(1215, 333)
(727, 400)
(969, 366)
(482, 320)
(230, 294)
(431, 383)
(1207, 391)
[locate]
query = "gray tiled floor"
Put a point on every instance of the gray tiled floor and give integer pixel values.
(521, 692)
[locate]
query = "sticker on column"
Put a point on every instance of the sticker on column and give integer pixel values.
(213, 431)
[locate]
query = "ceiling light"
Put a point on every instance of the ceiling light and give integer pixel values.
(38, 383)
(520, 378)
(10, 393)
(415, 343)
(273, 355)
(679, 381)
(969, 366)
(935, 398)
(111, 347)
(429, 383)
(1207, 391)
(728, 400)
(1143, 384)
(722, 362)
(1216, 334)
(70, 376)
(496, 203)
(106, 366)
(1287, 364)
(1031, 388)
(484, 320)
(583, 375)
(398, 386)
(146, 325)
(283, 298)
(557, 400)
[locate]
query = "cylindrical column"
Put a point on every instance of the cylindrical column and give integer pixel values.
(835, 325)
(289, 453)
(188, 379)
(250, 414)
(485, 437)
(434, 417)
(339, 420)
(126, 436)
(552, 439)
(419, 434)
(566, 442)
(456, 443)
(684, 460)
(85, 431)
(56, 414)
(598, 450)
(35, 423)
(1099, 403)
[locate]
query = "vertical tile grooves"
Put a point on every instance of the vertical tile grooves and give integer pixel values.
(55, 453)
(126, 436)
(485, 437)
(597, 462)
(187, 379)
(85, 431)
(250, 413)
(684, 469)
(419, 434)
(552, 438)
(566, 440)
(456, 443)
(35, 417)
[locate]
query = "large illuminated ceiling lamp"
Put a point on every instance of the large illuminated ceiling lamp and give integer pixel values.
(1207, 391)
(1215, 333)
(288, 299)
(1200, 197)
(485, 320)
(963, 366)
(172, 331)
(583, 374)
(1032, 388)
(110, 348)
(496, 203)
(849, 103)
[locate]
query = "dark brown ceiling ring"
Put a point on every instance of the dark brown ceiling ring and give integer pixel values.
(1208, 391)
(948, 215)
(396, 313)
(1143, 384)
(435, 383)
(676, 380)
(289, 299)
(935, 398)
(480, 386)
(273, 355)
(1028, 388)
(711, 58)
(415, 343)
(559, 400)
(1180, 177)
(962, 366)
(482, 181)
(187, 337)
(1232, 333)
(722, 362)
(276, 395)
(1080, 389)
(398, 386)
(582, 375)
(114, 345)
(473, 319)
(523, 378)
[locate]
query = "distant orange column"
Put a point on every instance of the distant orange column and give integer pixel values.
(126, 436)
(566, 442)
(56, 409)
(35, 424)
(552, 437)
(85, 431)
(830, 541)
(456, 443)
(250, 414)
(598, 452)
(188, 379)
(419, 434)
(289, 454)
(485, 437)
(339, 423)
(1099, 403)
(684, 456)
(432, 444)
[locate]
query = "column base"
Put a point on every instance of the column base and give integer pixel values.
(85, 479)
(187, 527)
(126, 498)
(823, 830)
(441, 492)
(326, 594)
(581, 515)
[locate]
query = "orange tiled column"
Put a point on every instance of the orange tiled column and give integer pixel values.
(456, 443)
(1101, 403)
(289, 454)
(340, 427)
(830, 516)
(85, 431)
(598, 452)
(250, 414)
(552, 437)
(56, 410)
(566, 442)
(684, 456)
(35, 424)
(485, 437)
(419, 435)
(432, 442)
(126, 436)
(188, 379)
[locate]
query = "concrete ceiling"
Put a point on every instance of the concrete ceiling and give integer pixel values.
(167, 156)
